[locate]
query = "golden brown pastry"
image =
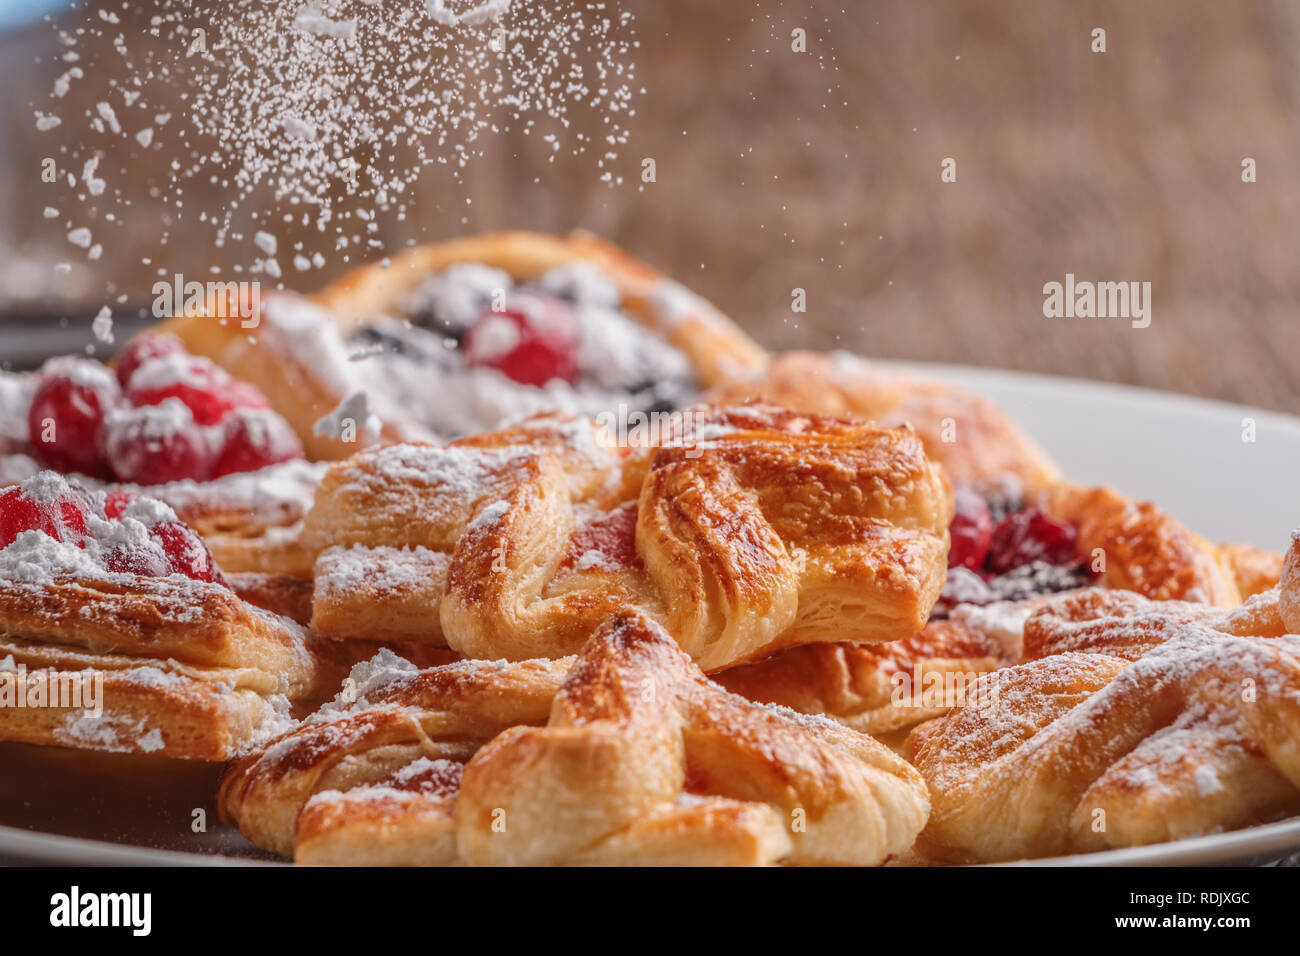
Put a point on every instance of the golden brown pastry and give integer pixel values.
(878, 688)
(758, 530)
(368, 334)
(969, 436)
(884, 687)
(1132, 722)
(119, 634)
(628, 755)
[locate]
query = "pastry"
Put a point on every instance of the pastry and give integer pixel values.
(1057, 539)
(969, 436)
(464, 336)
(747, 530)
(628, 755)
(118, 633)
(1131, 722)
(173, 426)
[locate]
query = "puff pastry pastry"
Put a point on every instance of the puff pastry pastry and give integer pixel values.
(1132, 722)
(760, 529)
(968, 435)
(628, 755)
(304, 351)
(884, 687)
(128, 662)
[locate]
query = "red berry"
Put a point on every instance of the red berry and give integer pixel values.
(533, 341)
(115, 502)
(60, 512)
(153, 444)
(66, 418)
(186, 551)
(208, 391)
(253, 439)
(1026, 536)
(145, 349)
(145, 562)
(971, 530)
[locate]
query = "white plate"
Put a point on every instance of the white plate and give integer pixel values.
(1186, 454)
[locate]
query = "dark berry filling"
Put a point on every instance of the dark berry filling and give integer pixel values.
(1004, 550)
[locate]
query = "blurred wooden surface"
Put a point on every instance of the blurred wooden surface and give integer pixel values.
(821, 171)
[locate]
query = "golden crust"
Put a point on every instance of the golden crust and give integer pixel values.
(779, 529)
(186, 669)
(1132, 722)
(970, 437)
(1138, 547)
(626, 756)
(875, 688)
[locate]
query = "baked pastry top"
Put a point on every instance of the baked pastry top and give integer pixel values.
(1131, 722)
(968, 435)
(464, 336)
(119, 633)
(625, 755)
(744, 530)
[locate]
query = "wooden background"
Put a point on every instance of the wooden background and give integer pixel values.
(821, 171)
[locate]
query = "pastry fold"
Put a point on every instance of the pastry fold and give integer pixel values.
(753, 530)
(625, 755)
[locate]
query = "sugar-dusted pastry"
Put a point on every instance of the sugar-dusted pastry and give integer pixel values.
(1009, 553)
(176, 427)
(627, 755)
(464, 336)
(968, 435)
(1131, 722)
(749, 530)
(118, 633)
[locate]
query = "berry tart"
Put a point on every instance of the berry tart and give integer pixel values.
(464, 336)
(119, 633)
(174, 425)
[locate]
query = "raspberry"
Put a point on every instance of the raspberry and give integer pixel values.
(971, 530)
(205, 388)
(186, 551)
(253, 439)
(533, 341)
(66, 418)
(157, 443)
(58, 511)
(115, 502)
(144, 349)
(1030, 535)
(142, 561)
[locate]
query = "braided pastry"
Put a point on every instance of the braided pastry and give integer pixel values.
(1132, 722)
(768, 530)
(631, 757)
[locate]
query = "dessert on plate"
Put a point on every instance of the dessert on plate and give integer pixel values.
(464, 336)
